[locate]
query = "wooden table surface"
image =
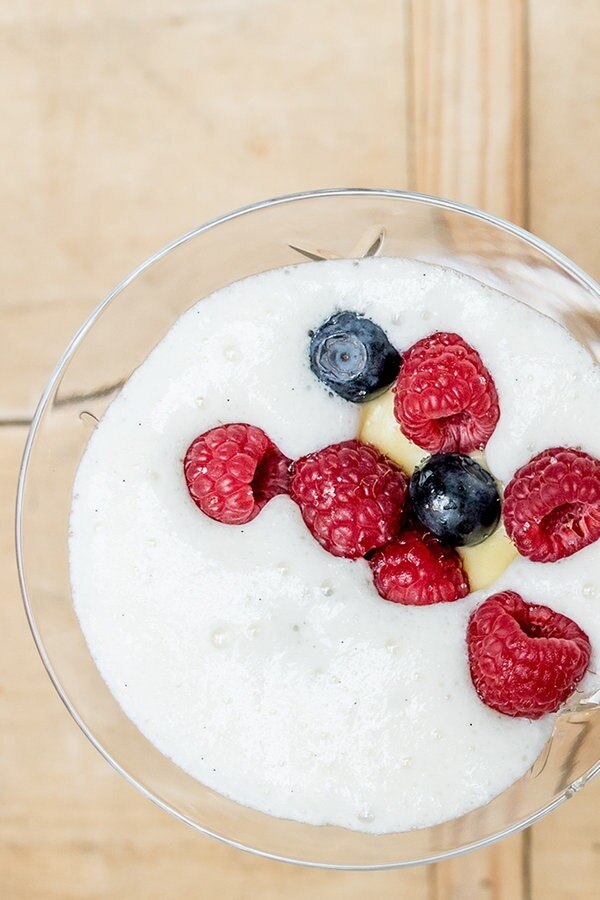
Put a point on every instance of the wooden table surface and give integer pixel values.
(125, 124)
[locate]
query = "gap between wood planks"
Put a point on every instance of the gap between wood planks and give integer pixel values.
(15, 422)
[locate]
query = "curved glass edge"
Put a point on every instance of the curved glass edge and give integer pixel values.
(575, 271)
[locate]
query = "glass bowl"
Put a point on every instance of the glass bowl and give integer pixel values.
(118, 336)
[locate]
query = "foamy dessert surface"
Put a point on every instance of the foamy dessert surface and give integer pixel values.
(262, 665)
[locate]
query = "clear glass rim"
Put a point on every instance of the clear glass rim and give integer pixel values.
(426, 199)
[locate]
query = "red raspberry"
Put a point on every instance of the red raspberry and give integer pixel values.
(446, 400)
(416, 569)
(552, 504)
(231, 472)
(525, 660)
(350, 496)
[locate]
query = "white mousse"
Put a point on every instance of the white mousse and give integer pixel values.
(263, 666)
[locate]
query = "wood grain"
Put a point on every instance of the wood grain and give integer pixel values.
(467, 102)
(565, 850)
(497, 873)
(125, 125)
(564, 178)
(467, 96)
(137, 124)
(564, 155)
(72, 829)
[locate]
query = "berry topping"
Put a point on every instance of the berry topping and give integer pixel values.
(352, 356)
(552, 504)
(416, 569)
(455, 498)
(350, 496)
(525, 660)
(231, 472)
(446, 399)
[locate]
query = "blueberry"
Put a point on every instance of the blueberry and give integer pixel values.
(352, 356)
(455, 498)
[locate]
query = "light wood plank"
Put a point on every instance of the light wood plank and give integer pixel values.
(72, 829)
(565, 861)
(468, 95)
(124, 127)
(564, 169)
(564, 74)
(492, 874)
(126, 124)
(467, 101)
